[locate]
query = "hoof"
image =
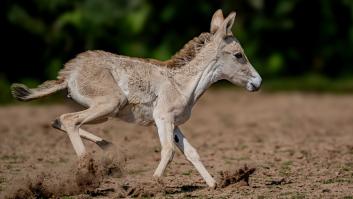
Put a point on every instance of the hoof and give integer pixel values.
(157, 177)
(103, 144)
(212, 184)
(56, 124)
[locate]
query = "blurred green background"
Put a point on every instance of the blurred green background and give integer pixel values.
(295, 45)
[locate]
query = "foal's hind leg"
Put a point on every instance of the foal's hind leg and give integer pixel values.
(71, 122)
(102, 143)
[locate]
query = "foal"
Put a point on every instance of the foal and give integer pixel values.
(147, 91)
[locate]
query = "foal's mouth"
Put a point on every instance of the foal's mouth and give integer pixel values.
(254, 84)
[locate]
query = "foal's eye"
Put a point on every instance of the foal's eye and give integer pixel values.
(238, 55)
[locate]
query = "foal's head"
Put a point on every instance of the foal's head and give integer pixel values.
(232, 63)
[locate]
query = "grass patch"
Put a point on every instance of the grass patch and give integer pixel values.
(243, 158)
(285, 168)
(349, 164)
(63, 160)
(187, 173)
(228, 162)
(67, 197)
(242, 146)
(346, 169)
(293, 195)
(236, 159)
(13, 159)
(287, 163)
(337, 180)
(137, 171)
(298, 196)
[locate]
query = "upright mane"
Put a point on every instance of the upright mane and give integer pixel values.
(189, 50)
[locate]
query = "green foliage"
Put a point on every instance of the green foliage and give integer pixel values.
(67, 197)
(310, 82)
(20, 17)
(5, 95)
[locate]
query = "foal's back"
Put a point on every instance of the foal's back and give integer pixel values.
(98, 76)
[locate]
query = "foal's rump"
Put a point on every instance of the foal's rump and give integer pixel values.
(88, 85)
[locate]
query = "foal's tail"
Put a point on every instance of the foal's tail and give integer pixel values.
(23, 93)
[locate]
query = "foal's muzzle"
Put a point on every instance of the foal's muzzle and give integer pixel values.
(254, 84)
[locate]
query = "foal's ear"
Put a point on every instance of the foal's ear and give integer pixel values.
(216, 21)
(226, 28)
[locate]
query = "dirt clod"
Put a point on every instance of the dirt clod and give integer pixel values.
(240, 176)
(43, 185)
(143, 188)
(88, 174)
(281, 181)
(85, 178)
(113, 161)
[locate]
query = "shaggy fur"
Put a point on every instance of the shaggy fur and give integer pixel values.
(189, 51)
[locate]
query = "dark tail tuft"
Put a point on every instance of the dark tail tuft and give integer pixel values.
(20, 92)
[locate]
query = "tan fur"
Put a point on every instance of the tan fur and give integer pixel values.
(148, 91)
(181, 58)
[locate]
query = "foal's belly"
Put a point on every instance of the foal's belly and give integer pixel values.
(141, 114)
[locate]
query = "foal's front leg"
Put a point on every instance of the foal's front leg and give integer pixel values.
(165, 131)
(192, 155)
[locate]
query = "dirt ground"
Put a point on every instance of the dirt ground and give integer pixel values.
(301, 146)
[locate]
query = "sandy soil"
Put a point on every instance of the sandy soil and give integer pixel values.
(300, 144)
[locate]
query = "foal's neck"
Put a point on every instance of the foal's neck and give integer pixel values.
(193, 79)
